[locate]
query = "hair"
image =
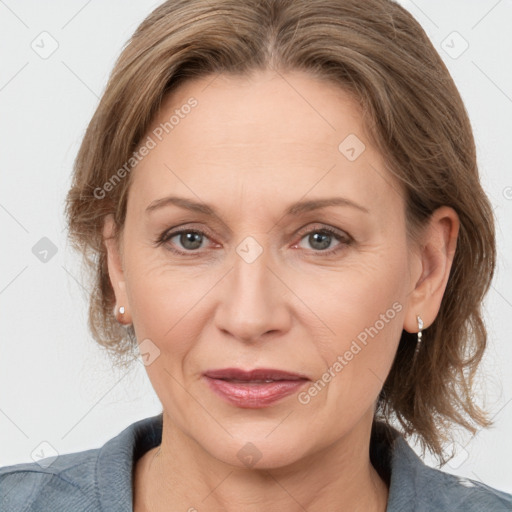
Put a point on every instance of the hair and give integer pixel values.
(412, 110)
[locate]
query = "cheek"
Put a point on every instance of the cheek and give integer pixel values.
(161, 299)
(362, 306)
(167, 317)
(353, 297)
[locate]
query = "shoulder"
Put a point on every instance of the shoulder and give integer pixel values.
(416, 486)
(67, 481)
(93, 480)
(463, 494)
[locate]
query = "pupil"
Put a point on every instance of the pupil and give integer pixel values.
(322, 238)
(189, 237)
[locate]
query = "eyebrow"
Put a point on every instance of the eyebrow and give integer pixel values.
(294, 209)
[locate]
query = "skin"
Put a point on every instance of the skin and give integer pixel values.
(250, 148)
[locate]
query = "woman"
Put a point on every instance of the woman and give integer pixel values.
(280, 203)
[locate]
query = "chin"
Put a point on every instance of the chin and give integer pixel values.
(261, 448)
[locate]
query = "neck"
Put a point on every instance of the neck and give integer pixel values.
(180, 474)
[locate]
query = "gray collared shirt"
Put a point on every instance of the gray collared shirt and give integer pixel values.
(101, 479)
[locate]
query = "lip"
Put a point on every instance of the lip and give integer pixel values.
(251, 375)
(248, 389)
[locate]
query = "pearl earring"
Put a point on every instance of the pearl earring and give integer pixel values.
(121, 310)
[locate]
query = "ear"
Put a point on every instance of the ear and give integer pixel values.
(434, 259)
(115, 270)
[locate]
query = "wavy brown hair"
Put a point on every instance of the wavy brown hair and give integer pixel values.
(414, 115)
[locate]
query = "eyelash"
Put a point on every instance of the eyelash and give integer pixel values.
(345, 240)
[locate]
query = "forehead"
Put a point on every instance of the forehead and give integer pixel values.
(252, 136)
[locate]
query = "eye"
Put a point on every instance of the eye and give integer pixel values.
(187, 239)
(321, 240)
(188, 242)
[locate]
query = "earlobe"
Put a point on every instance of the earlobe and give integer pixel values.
(437, 251)
(115, 271)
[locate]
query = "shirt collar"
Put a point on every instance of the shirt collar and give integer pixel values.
(115, 463)
(393, 458)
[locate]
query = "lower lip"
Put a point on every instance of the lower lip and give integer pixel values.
(254, 395)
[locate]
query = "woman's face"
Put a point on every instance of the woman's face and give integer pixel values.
(255, 281)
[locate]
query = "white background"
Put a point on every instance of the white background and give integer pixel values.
(55, 385)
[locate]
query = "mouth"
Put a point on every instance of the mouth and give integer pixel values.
(253, 389)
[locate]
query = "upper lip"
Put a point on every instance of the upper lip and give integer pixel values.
(256, 374)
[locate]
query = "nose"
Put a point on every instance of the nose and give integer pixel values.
(253, 304)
